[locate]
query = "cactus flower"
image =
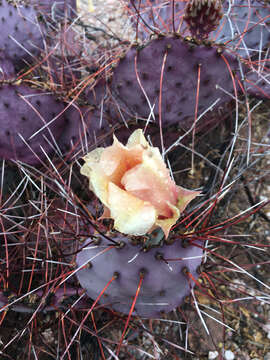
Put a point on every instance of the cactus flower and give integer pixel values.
(135, 186)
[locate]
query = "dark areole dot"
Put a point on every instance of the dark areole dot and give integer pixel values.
(162, 293)
(206, 82)
(185, 271)
(89, 265)
(145, 76)
(183, 99)
(143, 272)
(159, 256)
(185, 243)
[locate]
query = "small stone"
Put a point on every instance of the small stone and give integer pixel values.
(212, 355)
(229, 355)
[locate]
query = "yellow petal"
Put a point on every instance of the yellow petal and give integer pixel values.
(151, 181)
(93, 157)
(97, 179)
(166, 224)
(98, 183)
(184, 197)
(137, 138)
(131, 216)
(117, 159)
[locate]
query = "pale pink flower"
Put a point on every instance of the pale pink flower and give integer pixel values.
(135, 186)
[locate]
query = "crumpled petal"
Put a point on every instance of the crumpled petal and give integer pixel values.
(131, 215)
(137, 138)
(117, 159)
(97, 181)
(146, 182)
(184, 197)
(104, 165)
(166, 224)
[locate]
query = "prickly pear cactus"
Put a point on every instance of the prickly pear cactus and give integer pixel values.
(24, 112)
(243, 27)
(21, 32)
(165, 283)
(167, 74)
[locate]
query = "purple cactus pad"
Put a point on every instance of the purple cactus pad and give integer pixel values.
(21, 33)
(165, 283)
(24, 111)
(82, 127)
(182, 62)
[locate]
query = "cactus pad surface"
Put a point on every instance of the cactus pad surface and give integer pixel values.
(21, 32)
(165, 284)
(25, 111)
(177, 65)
